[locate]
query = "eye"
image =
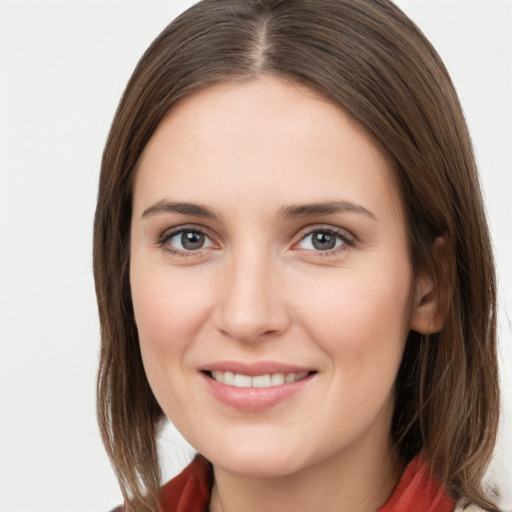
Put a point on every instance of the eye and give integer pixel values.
(186, 240)
(324, 240)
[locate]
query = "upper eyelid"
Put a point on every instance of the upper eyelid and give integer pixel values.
(349, 240)
(170, 232)
(308, 230)
(300, 235)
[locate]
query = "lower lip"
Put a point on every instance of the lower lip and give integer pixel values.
(254, 399)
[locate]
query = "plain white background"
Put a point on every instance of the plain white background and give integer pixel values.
(63, 66)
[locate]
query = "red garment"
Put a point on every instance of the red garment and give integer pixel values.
(417, 490)
(190, 490)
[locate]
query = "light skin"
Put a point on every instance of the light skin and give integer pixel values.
(267, 227)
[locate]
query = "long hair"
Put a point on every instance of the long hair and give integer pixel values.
(369, 59)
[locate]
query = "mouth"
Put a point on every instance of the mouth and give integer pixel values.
(266, 380)
(256, 387)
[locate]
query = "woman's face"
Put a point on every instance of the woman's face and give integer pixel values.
(271, 279)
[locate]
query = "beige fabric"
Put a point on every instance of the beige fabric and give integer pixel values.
(471, 508)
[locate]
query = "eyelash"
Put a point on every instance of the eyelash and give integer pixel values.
(347, 240)
(170, 234)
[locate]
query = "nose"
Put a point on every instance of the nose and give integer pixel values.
(252, 303)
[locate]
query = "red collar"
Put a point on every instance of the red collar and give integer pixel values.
(416, 491)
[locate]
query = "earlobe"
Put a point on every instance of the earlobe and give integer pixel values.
(432, 290)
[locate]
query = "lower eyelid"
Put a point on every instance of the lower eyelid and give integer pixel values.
(342, 236)
(347, 241)
(170, 234)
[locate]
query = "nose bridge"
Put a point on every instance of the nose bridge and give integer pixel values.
(250, 305)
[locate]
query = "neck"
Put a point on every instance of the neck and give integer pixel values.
(358, 480)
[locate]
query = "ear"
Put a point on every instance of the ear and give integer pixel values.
(432, 290)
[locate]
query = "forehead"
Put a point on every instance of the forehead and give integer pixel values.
(259, 137)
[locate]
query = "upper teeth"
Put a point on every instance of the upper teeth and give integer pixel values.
(257, 381)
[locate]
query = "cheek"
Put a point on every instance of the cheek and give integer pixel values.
(167, 306)
(361, 320)
(169, 312)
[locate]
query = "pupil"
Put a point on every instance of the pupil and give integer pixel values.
(324, 241)
(191, 240)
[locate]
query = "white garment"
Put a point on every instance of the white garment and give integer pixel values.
(471, 508)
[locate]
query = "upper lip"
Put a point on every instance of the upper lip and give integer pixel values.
(256, 368)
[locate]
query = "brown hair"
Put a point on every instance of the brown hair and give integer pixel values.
(368, 58)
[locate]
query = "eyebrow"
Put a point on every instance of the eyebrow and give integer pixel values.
(286, 212)
(164, 206)
(325, 208)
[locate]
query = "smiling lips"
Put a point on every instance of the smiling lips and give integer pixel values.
(255, 387)
(266, 380)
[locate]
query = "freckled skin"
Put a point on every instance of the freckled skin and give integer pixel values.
(258, 290)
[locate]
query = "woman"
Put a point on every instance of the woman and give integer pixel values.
(293, 264)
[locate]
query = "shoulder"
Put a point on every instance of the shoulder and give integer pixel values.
(470, 508)
(187, 492)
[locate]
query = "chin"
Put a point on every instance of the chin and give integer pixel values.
(257, 461)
